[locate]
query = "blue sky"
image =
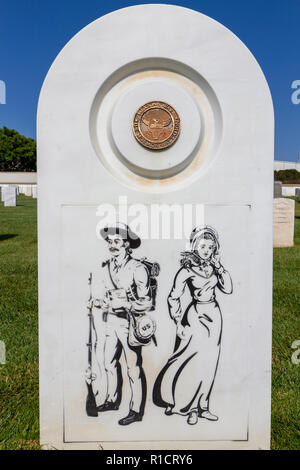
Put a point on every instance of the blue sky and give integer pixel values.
(32, 32)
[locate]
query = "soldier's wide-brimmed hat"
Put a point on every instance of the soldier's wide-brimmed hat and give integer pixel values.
(124, 230)
(199, 232)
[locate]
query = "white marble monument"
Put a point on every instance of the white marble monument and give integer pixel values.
(201, 209)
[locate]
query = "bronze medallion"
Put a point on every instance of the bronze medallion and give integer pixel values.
(156, 125)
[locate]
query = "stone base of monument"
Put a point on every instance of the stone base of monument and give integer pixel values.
(283, 222)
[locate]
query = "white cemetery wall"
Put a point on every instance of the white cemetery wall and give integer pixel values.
(18, 177)
(289, 190)
(85, 113)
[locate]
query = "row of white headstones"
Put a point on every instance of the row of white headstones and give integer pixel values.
(10, 192)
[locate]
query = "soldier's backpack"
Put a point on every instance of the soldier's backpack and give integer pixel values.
(153, 271)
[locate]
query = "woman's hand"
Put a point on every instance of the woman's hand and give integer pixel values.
(215, 260)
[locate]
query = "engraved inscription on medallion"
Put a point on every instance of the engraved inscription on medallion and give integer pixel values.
(156, 125)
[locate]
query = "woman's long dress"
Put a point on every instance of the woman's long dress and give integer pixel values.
(186, 381)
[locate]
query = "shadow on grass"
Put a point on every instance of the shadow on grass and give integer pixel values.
(7, 236)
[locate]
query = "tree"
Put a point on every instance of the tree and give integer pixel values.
(17, 152)
(287, 176)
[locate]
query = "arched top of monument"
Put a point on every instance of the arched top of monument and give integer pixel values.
(178, 22)
(167, 53)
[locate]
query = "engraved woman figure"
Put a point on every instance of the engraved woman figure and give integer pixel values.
(185, 383)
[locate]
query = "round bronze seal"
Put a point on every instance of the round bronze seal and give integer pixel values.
(156, 125)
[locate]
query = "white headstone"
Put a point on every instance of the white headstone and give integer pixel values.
(10, 196)
(3, 192)
(283, 222)
(215, 179)
(28, 190)
(16, 186)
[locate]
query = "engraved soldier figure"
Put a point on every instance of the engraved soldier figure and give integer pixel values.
(125, 291)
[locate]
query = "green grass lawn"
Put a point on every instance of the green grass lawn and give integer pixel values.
(19, 415)
(286, 329)
(19, 406)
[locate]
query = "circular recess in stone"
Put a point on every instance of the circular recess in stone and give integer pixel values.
(115, 105)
